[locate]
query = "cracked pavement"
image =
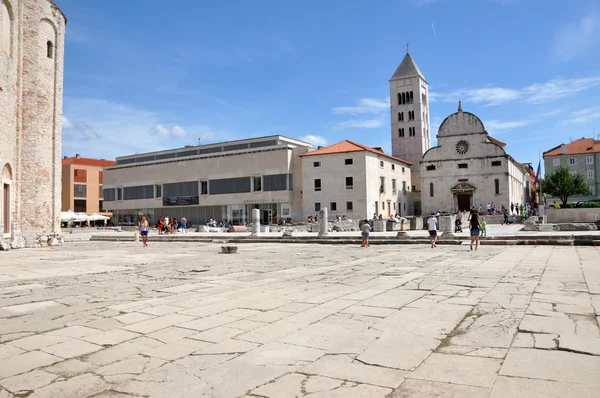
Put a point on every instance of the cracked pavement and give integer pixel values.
(181, 320)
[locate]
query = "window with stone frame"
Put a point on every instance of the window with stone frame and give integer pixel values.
(590, 174)
(349, 206)
(572, 161)
(317, 184)
(349, 182)
(556, 162)
(79, 191)
(333, 206)
(317, 206)
(589, 160)
(497, 186)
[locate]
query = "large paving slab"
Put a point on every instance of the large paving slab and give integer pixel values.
(107, 319)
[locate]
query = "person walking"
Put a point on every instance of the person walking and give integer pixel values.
(365, 233)
(483, 227)
(160, 225)
(183, 225)
(512, 208)
(506, 214)
(432, 226)
(474, 226)
(144, 231)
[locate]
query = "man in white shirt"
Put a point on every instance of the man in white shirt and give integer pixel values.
(432, 224)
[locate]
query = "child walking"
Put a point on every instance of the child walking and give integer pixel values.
(365, 233)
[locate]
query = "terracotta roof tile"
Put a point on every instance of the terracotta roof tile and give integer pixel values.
(577, 147)
(89, 162)
(348, 146)
(495, 141)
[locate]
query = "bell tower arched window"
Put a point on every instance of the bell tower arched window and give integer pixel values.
(49, 49)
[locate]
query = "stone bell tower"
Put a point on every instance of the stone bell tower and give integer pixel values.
(409, 107)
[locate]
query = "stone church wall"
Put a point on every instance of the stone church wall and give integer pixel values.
(31, 115)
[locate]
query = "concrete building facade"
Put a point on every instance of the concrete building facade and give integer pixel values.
(581, 156)
(222, 181)
(469, 168)
(31, 89)
(355, 181)
(409, 107)
(82, 182)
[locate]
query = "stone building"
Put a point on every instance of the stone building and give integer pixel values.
(356, 181)
(581, 156)
(82, 184)
(31, 84)
(469, 168)
(409, 107)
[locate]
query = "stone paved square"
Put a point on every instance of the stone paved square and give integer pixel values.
(109, 319)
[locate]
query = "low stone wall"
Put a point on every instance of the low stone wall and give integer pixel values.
(557, 216)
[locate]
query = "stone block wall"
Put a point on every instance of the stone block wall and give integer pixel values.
(31, 116)
(556, 216)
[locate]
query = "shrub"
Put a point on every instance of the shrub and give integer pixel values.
(591, 205)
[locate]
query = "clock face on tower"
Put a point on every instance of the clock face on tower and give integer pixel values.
(462, 147)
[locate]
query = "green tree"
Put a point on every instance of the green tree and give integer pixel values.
(562, 184)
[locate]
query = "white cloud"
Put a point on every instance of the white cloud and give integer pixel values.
(316, 140)
(81, 131)
(66, 123)
(365, 105)
(487, 96)
(364, 124)
(125, 129)
(558, 89)
(584, 115)
(578, 38)
(178, 131)
(495, 125)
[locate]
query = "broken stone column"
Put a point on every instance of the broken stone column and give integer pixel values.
(136, 236)
(255, 222)
(323, 232)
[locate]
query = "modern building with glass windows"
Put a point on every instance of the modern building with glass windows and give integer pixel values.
(222, 181)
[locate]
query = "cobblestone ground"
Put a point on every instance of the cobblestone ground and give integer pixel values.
(181, 320)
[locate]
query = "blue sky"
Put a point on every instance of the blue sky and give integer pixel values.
(143, 75)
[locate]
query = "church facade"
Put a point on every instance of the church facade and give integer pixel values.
(469, 168)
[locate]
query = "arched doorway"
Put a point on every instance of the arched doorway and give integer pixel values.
(5, 185)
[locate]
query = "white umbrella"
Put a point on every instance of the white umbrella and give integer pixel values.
(98, 217)
(81, 217)
(66, 216)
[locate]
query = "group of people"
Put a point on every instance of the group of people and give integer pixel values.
(170, 225)
(477, 227)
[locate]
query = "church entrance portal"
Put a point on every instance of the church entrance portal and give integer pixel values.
(464, 202)
(463, 196)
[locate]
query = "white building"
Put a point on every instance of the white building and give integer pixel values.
(356, 181)
(469, 168)
(222, 181)
(409, 107)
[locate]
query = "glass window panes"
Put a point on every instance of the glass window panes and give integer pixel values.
(229, 185)
(79, 190)
(108, 194)
(139, 192)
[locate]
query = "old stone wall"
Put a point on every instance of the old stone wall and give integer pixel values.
(31, 114)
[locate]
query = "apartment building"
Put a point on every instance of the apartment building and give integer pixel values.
(581, 156)
(355, 181)
(82, 185)
(222, 181)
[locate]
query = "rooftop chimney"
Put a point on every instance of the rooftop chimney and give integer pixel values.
(77, 156)
(563, 148)
(64, 157)
(319, 147)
